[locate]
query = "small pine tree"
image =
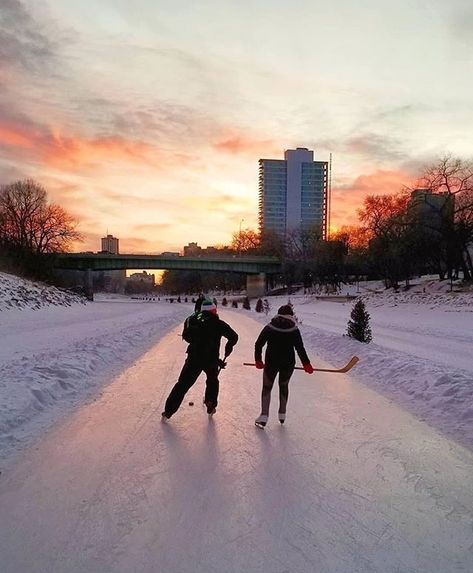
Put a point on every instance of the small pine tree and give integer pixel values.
(246, 303)
(234, 304)
(259, 306)
(266, 306)
(359, 323)
(224, 301)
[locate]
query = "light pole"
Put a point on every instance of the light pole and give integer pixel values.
(239, 238)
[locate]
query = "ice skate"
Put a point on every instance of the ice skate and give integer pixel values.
(211, 408)
(261, 420)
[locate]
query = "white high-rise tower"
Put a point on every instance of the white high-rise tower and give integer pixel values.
(293, 192)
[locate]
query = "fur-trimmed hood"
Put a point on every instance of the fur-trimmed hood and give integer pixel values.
(283, 323)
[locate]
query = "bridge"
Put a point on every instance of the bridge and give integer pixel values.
(106, 262)
(255, 268)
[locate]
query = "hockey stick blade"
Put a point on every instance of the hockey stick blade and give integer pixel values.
(348, 366)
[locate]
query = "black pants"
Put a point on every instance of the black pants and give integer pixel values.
(269, 375)
(191, 370)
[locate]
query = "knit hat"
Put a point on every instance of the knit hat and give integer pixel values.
(208, 306)
(286, 309)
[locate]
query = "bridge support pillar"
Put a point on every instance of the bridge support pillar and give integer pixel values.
(89, 284)
(256, 285)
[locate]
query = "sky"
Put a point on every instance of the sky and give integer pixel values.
(146, 120)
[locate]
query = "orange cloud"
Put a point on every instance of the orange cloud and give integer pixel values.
(67, 152)
(346, 199)
(11, 138)
(242, 145)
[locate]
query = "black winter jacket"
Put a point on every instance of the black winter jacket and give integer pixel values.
(281, 336)
(203, 331)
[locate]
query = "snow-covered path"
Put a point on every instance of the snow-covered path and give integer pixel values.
(350, 484)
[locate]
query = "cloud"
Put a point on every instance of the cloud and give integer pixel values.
(71, 153)
(367, 145)
(22, 42)
(375, 146)
(245, 145)
(348, 198)
(461, 24)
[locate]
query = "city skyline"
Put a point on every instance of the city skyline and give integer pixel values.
(150, 119)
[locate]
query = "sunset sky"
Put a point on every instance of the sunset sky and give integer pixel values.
(146, 119)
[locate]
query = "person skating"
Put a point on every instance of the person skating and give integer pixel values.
(198, 302)
(281, 337)
(203, 331)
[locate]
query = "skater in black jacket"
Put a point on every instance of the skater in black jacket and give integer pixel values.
(281, 336)
(203, 331)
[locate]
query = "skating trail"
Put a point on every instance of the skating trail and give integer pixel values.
(351, 483)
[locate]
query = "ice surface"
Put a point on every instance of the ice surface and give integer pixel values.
(352, 483)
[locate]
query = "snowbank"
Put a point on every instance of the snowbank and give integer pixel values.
(23, 294)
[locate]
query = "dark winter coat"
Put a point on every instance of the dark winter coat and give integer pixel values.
(281, 336)
(198, 303)
(203, 331)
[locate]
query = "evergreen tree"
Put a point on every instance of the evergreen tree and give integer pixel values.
(246, 303)
(259, 306)
(359, 323)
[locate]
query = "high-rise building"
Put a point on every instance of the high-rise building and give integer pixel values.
(110, 245)
(431, 211)
(293, 192)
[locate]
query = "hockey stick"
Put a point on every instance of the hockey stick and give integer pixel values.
(348, 366)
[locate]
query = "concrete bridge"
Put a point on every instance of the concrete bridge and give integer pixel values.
(255, 268)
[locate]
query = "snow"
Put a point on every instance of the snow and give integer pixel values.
(18, 293)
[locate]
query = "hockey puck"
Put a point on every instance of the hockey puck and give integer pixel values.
(191, 403)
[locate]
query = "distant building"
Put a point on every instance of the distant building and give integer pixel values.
(192, 250)
(293, 192)
(143, 277)
(431, 211)
(110, 245)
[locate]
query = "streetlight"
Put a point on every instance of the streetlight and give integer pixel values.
(239, 238)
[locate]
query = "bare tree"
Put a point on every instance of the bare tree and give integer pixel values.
(384, 218)
(29, 224)
(454, 178)
(245, 241)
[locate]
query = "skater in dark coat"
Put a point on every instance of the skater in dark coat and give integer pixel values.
(198, 302)
(203, 331)
(281, 336)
